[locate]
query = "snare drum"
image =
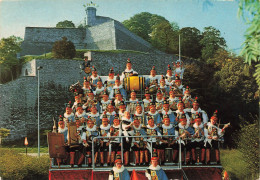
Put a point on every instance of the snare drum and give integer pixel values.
(134, 83)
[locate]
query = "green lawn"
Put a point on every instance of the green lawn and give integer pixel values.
(29, 149)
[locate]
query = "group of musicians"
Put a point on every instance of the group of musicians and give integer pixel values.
(166, 118)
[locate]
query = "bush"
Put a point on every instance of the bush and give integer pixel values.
(64, 49)
(19, 166)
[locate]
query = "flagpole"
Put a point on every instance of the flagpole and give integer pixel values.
(179, 46)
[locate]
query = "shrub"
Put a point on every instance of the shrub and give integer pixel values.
(19, 166)
(64, 49)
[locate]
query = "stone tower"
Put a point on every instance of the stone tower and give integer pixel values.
(91, 16)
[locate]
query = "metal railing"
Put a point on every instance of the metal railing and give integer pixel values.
(149, 139)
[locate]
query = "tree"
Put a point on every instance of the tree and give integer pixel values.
(142, 24)
(190, 38)
(3, 134)
(211, 41)
(9, 47)
(64, 49)
(65, 24)
(162, 37)
(250, 10)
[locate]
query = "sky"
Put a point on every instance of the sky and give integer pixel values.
(15, 15)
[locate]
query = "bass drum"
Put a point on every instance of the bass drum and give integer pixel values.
(134, 83)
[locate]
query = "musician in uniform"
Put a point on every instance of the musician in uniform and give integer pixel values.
(196, 109)
(154, 171)
(163, 87)
(86, 88)
(94, 116)
(111, 113)
(110, 81)
(94, 77)
(154, 113)
(181, 110)
(69, 115)
(184, 132)
(153, 130)
(91, 102)
(147, 100)
(127, 131)
(128, 71)
(173, 100)
(152, 80)
(132, 103)
(81, 139)
(179, 69)
(118, 100)
(213, 134)
(178, 84)
(104, 143)
(77, 103)
(81, 114)
(99, 89)
(139, 113)
(116, 87)
(159, 101)
(198, 139)
(169, 77)
(104, 102)
(115, 141)
(187, 98)
(168, 111)
(91, 132)
(118, 172)
(166, 142)
(122, 109)
(139, 142)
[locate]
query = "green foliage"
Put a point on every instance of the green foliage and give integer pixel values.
(163, 37)
(250, 11)
(248, 145)
(18, 166)
(64, 49)
(65, 24)
(211, 41)
(142, 24)
(9, 47)
(190, 42)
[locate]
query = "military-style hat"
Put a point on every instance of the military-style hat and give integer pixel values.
(89, 120)
(122, 103)
(165, 102)
(90, 92)
(153, 68)
(196, 101)
(180, 103)
(155, 156)
(69, 105)
(151, 104)
(128, 61)
(117, 77)
(147, 92)
(166, 116)
(133, 91)
(93, 68)
(87, 79)
(60, 118)
(111, 71)
(177, 78)
(118, 158)
(159, 91)
(215, 115)
(169, 67)
(182, 117)
(197, 116)
(104, 118)
(79, 107)
(187, 90)
(163, 78)
(117, 92)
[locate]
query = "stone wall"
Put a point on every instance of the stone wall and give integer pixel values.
(38, 40)
(101, 36)
(18, 99)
